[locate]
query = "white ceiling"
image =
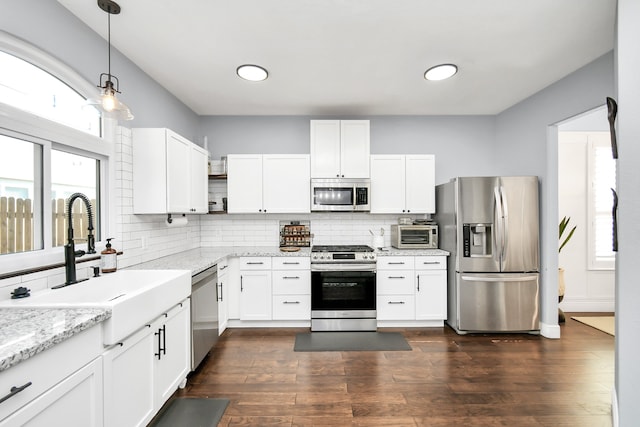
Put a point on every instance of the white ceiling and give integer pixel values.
(355, 57)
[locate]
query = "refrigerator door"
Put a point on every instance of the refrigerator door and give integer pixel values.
(476, 229)
(519, 227)
(497, 302)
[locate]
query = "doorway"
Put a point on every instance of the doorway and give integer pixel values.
(584, 176)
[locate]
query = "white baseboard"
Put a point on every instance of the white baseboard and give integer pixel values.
(549, 331)
(588, 306)
(614, 408)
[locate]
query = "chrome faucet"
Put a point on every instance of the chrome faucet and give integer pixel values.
(70, 252)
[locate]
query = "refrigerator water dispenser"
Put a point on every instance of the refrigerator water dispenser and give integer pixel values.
(476, 240)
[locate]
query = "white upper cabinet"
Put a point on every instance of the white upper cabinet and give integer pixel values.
(403, 183)
(169, 173)
(340, 148)
(286, 183)
(269, 183)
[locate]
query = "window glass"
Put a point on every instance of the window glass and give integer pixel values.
(32, 89)
(73, 173)
(602, 173)
(20, 195)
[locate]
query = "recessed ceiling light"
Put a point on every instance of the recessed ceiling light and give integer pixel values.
(252, 72)
(440, 72)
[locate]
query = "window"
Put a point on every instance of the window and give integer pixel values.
(50, 149)
(602, 179)
(32, 89)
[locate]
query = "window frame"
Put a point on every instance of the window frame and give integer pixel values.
(21, 124)
(594, 263)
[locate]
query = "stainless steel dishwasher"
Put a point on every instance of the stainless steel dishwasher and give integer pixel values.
(204, 314)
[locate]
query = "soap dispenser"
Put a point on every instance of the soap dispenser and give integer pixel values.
(108, 258)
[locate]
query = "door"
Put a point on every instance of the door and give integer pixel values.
(325, 148)
(521, 224)
(285, 186)
(199, 180)
(387, 183)
(354, 150)
(420, 187)
(498, 302)
(476, 228)
(178, 174)
(172, 352)
(255, 295)
(244, 183)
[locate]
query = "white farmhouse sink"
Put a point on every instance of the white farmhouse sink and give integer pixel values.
(135, 297)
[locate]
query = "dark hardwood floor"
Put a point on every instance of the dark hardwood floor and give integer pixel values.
(447, 380)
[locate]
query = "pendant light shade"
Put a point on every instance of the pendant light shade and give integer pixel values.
(107, 102)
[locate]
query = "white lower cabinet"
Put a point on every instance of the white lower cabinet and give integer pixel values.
(144, 370)
(291, 283)
(223, 295)
(412, 288)
(172, 351)
(61, 383)
(431, 287)
(255, 288)
(74, 402)
(128, 381)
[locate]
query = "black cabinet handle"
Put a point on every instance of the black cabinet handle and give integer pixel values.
(291, 277)
(241, 289)
(418, 277)
(396, 302)
(291, 302)
(396, 277)
(14, 390)
(159, 353)
(164, 339)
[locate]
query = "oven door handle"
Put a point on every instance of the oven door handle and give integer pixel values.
(343, 267)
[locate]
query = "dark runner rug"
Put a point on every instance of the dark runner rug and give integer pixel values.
(351, 341)
(192, 412)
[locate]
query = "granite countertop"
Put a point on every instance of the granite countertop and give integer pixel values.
(200, 259)
(391, 251)
(25, 332)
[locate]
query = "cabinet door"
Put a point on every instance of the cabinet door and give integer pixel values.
(255, 295)
(75, 402)
(172, 352)
(223, 313)
(178, 173)
(355, 149)
(199, 180)
(286, 183)
(244, 183)
(128, 381)
(325, 148)
(387, 184)
(431, 295)
(420, 183)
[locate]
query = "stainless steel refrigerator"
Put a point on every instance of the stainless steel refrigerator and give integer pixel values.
(490, 225)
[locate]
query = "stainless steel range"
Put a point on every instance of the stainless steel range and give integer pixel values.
(343, 288)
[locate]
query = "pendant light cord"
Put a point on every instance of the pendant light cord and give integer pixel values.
(109, 38)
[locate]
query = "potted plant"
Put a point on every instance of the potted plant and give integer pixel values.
(563, 241)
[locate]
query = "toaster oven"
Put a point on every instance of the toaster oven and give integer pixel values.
(414, 236)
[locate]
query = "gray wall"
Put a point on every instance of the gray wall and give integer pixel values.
(463, 145)
(49, 26)
(627, 287)
(526, 143)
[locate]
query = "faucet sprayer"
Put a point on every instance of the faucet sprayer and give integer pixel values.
(70, 252)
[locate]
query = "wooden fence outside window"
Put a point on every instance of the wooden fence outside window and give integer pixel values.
(17, 224)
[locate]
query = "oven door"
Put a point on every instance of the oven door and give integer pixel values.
(336, 287)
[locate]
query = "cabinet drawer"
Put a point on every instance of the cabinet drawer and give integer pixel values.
(65, 357)
(395, 282)
(291, 263)
(291, 282)
(396, 307)
(292, 307)
(431, 262)
(395, 262)
(255, 263)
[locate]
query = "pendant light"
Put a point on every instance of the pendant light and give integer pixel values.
(107, 103)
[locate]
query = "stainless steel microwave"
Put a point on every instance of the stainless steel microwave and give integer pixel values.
(414, 236)
(340, 195)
